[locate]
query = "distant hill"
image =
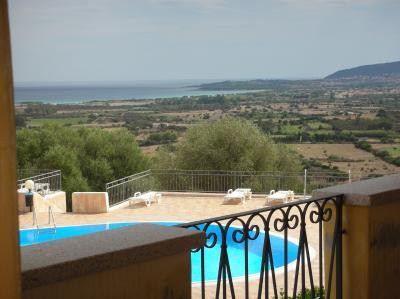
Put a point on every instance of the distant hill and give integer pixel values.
(258, 84)
(373, 75)
(372, 70)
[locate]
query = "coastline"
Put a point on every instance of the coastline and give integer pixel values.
(90, 95)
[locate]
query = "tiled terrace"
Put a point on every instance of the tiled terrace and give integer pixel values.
(183, 207)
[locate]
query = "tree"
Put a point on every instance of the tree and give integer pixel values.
(87, 158)
(20, 121)
(229, 144)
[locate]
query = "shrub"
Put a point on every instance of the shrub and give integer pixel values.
(160, 138)
(308, 294)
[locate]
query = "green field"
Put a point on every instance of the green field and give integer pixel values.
(317, 125)
(290, 129)
(393, 151)
(322, 132)
(37, 122)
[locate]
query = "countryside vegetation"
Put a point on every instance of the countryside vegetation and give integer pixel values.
(91, 157)
(287, 126)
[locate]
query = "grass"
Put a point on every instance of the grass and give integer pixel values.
(393, 151)
(372, 133)
(318, 125)
(37, 122)
(290, 129)
(314, 128)
(321, 132)
(350, 157)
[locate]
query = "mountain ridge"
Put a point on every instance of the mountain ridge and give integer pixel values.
(370, 70)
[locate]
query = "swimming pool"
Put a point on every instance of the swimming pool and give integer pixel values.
(211, 255)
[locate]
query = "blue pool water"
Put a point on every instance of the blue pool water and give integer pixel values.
(211, 255)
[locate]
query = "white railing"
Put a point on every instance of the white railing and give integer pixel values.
(177, 180)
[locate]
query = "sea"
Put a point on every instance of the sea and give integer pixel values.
(76, 93)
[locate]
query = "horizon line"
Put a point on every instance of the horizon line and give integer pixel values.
(143, 81)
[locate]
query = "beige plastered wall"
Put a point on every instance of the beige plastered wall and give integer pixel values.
(9, 249)
(90, 202)
(166, 277)
(371, 244)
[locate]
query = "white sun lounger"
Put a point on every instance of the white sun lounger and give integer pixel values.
(241, 193)
(42, 188)
(146, 197)
(284, 196)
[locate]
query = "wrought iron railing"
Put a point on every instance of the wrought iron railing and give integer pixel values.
(41, 177)
(220, 181)
(253, 233)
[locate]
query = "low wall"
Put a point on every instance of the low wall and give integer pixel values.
(90, 202)
(141, 261)
(57, 200)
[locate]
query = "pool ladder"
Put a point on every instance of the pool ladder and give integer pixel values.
(51, 218)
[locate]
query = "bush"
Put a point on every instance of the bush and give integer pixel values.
(364, 145)
(307, 293)
(160, 138)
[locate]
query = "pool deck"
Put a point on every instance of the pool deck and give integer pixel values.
(185, 208)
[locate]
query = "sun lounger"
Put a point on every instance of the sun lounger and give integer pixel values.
(242, 194)
(247, 192)
(284, 196)
(146, 197)
(42, 188)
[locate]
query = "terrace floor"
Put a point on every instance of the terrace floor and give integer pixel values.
(185, 207)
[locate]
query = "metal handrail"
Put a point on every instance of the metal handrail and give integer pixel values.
(53, 177)
(127, 179)
(122, 189)
(51, 217)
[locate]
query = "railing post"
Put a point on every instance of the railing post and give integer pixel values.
(305, 182)
(192, 182)
(339, 248)
(60, 180)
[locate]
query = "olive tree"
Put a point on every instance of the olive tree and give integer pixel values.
(230, 145)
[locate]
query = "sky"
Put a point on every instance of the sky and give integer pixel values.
(134, 40)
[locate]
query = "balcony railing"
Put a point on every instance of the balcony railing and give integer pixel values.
(258, 181)
(253, 233)
(220, 181)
